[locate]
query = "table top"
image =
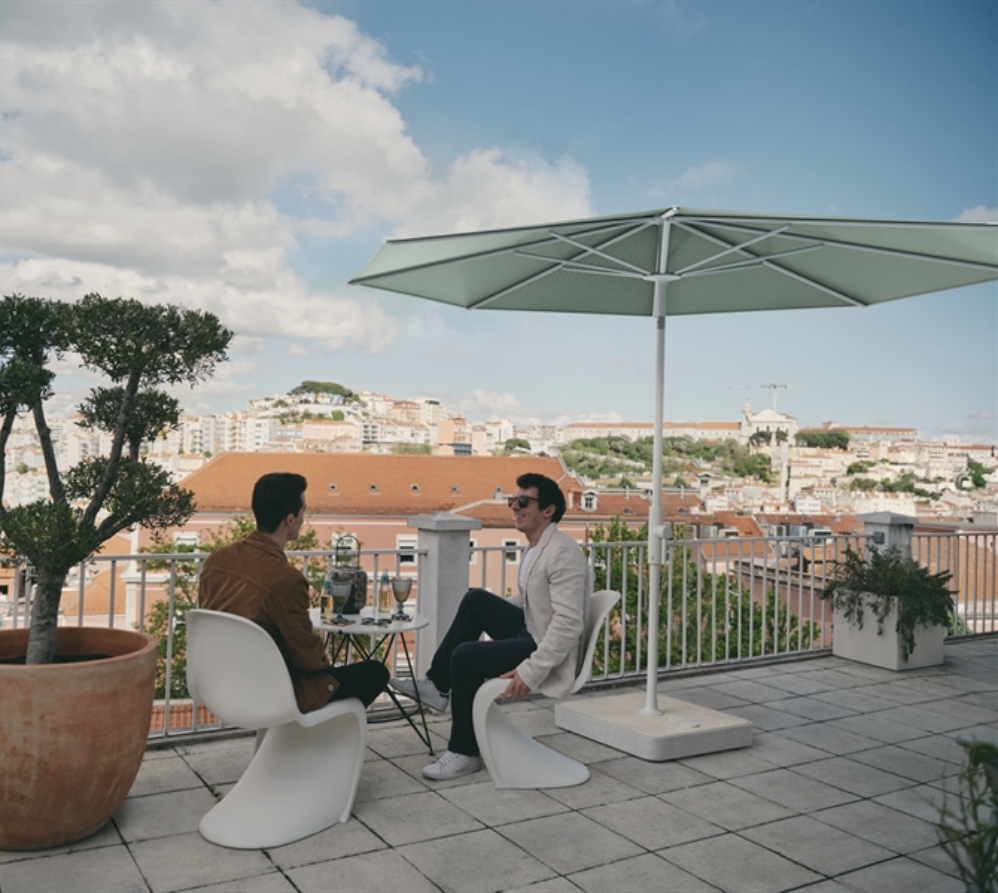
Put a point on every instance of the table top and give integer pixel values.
(357, 627)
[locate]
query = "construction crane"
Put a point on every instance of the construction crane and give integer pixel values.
(772, 389)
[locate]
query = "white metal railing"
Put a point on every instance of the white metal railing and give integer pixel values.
(723, 601)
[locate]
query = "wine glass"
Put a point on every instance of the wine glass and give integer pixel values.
(401, 586)
(341, 592)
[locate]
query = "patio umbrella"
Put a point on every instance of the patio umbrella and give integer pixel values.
(680, 261)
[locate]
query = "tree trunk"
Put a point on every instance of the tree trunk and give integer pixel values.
(44, 617)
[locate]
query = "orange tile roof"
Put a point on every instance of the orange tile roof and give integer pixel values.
(368, 484)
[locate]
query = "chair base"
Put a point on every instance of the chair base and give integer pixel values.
(299, 782)
(514, 759)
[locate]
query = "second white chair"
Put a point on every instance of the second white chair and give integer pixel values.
(514, 759)
(306, 767)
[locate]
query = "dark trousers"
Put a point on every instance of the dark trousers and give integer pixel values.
(462, 662)
(365, 680)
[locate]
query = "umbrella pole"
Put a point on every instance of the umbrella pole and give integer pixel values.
(655, 527)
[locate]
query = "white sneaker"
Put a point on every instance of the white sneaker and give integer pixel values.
(422, 690)
(452, 765)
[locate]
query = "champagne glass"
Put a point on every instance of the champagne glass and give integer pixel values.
(401, 586)
(341, 592)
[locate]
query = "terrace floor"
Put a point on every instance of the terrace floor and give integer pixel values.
(839, 791)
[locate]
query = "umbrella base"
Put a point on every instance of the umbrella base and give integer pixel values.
(684, 729)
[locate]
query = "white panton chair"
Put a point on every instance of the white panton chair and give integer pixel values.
(514, 759)
(304, 773)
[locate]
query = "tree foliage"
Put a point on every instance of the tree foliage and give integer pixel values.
(137, 349)
(827, 440)
(710, 616)
(330, 388)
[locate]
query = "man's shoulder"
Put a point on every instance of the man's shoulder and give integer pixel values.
(560, 542)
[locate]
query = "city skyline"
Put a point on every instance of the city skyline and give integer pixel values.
(249, 158)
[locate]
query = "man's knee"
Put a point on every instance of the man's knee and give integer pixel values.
(468, 659)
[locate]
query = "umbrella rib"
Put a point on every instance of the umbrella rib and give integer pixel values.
(572, 266)
(825, 288)
(484, 302)
(586, 250)
(707, 260)
(753, 262)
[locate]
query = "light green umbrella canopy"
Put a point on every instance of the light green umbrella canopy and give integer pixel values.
(678, 261)
(722, 262)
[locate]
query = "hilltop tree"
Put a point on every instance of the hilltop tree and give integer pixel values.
(331, 388)
(136, 348)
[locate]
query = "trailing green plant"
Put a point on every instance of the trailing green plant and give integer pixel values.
(969, 829)
(882, 579)
(703, 617)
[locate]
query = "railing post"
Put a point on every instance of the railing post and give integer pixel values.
(887, 529)
(445, 552)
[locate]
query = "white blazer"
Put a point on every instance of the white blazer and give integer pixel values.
(555, 599)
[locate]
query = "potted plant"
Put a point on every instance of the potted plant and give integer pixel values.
(909, 608)
(77, 700)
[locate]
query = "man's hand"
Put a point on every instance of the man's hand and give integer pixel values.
(516, 688)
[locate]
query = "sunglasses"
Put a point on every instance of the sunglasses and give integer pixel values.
(521, 501)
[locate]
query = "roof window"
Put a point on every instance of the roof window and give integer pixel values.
(414, 488)
(332, 488)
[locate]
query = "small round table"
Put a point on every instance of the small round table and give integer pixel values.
(367, 637)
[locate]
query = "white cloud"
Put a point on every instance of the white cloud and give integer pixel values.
(977, 214)
(296, 350)
(161, 150)
(703, 176)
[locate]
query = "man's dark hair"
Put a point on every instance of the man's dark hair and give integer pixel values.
(548, 492)
(275, 496)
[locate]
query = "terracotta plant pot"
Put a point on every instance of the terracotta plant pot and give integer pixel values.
(72, 735)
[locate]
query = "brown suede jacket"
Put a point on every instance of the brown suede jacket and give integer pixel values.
(252, 578)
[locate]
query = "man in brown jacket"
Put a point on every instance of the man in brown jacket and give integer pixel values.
(252, 578)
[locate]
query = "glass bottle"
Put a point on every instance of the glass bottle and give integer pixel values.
(386, 599)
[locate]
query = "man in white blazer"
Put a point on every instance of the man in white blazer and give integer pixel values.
(534, 637)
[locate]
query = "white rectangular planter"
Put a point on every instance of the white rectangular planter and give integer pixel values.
(865, 646)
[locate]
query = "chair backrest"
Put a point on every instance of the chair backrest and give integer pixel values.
(599, 606)
(236, 670)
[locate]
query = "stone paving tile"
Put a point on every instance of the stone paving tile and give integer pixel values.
(780, 751)
(936, 858)
(223, 765)
(767, 718)
(854, 777)
(877, 727)
(264, 883)
(537, 723)
(793, 791)
(859, 700)
(813, 709)
(982, 733)
(710, 698)
(816, 846)
(881, 825)
(108, 869)
(188, 860)
(342, 839)
(900, 876)
(727, 806)
(382, 779)
(923, 801)
(480, 862)
(906, 763)
(733, 863)
(106, 836)
(413, 818)
(836, 678)
(923, 716)
(727, 764)
(799, 684)
(965, 712)
(398, 740)
(170, 773)
(581, 749)
(494, 807)
(569, 842)
(900, 694)
(652, 823)
(829, 737)
(555, 885)
(366, 873)
(653, 778)
(161, 815)
(647, 872)
(753, 692)
(600, 789)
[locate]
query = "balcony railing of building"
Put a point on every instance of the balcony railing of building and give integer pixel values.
(724, 601)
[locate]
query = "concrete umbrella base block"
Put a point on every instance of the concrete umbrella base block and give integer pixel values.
(684, 729)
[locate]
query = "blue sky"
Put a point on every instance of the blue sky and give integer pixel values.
(251, 157)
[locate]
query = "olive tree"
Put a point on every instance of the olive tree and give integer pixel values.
(137, 349)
